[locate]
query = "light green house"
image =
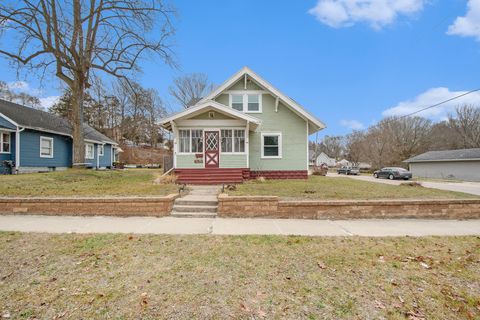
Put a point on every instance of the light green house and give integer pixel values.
(243, 129)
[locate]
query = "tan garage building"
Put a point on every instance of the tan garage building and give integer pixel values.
(462, 164)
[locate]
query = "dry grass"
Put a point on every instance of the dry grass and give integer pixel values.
(198, 277)
(317, 187)
(81, 182)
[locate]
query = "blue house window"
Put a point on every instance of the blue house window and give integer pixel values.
(4, 142)
(46, 147)
(89, 151)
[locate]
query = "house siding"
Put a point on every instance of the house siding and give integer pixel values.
(185, 161)
(459, 170)
(233, 161)
(4, 123)
(30, 150)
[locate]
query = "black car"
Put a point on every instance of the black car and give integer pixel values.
(393, 173)
(348, 170)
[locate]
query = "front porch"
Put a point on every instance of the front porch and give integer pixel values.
(212, 176)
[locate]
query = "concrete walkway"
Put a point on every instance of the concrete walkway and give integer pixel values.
(458, 186)
(221, 226)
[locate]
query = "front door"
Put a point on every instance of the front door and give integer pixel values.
(212, 154)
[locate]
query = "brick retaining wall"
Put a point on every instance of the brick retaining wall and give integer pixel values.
(112, 206)
(272, 207)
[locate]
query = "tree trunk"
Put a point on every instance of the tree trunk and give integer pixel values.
(77, 123)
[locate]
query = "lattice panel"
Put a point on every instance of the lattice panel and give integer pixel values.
(211, 141)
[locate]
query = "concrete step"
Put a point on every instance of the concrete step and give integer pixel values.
(177, 214)
(193, 202)
(196, 208)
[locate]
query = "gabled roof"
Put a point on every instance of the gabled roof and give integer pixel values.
(314, 123)
(30, 118)
(207, 105)
(447, 155)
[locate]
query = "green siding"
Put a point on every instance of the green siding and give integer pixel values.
(187, 161)
(217, 116)
(223, 99)
(294, 138)
(240, 85)
(233, 161)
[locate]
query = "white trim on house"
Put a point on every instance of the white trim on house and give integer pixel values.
(42, 138)
(308, 160)
(209, 123)
(275, 92)
(247, 143)
(206, 105)
(3, 142)
(87, 154)
(279, 135)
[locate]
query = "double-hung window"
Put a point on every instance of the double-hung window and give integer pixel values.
(271, 145)
(101, 150)
(5, 142)
(46, 147)
(190, 140)
(247, 102)
(233, 140)
(197, 140)
(89, 151)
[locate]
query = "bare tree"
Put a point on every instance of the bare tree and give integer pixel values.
(77, 37)
(466, 123)
(333, 146)
(189, 89)
(21, 97)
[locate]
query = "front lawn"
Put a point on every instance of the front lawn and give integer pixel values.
(322, 188)
(82, 182)
(249, 277)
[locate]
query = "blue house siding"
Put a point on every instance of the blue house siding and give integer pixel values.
(4, 123)
(30, 150)
(106, 160)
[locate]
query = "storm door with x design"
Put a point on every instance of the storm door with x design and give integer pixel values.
(212, 154)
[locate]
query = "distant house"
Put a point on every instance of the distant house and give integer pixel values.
(321, 158)
(343, 163)
(35, 140)
(462, 164)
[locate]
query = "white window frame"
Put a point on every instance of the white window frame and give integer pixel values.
(86, 151)
(191, 141)
(2, 142)
(101, 150)
(233, 141)
(51, 149)
(279, 135)
(245, 95)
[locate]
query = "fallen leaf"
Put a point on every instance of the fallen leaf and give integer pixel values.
(426, 266)
(321, 265)
(379, 305)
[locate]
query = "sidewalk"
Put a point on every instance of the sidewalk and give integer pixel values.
(222, 226)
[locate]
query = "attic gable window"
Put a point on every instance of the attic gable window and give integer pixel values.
(246, 102)
(237, 102)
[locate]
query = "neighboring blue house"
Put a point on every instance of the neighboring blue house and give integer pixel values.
(39, 141)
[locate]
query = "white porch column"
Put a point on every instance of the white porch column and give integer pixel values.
(247, 144)
(175, 143)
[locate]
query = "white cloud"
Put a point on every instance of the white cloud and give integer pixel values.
(431, 97)
(468, 25)
(377, 13)
(352, 124)
(47, 102)
(18, 86)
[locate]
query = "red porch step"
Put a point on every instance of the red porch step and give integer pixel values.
(210, 175)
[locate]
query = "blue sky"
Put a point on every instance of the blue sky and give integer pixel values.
(348, 64)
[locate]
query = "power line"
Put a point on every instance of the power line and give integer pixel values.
(440, 103)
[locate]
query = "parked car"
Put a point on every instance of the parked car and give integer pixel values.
(348, 170)
(393, 173)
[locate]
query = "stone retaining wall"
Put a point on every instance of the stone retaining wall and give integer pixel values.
(272, 207)
(112, 206)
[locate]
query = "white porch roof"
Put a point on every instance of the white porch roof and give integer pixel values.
(209, 105)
